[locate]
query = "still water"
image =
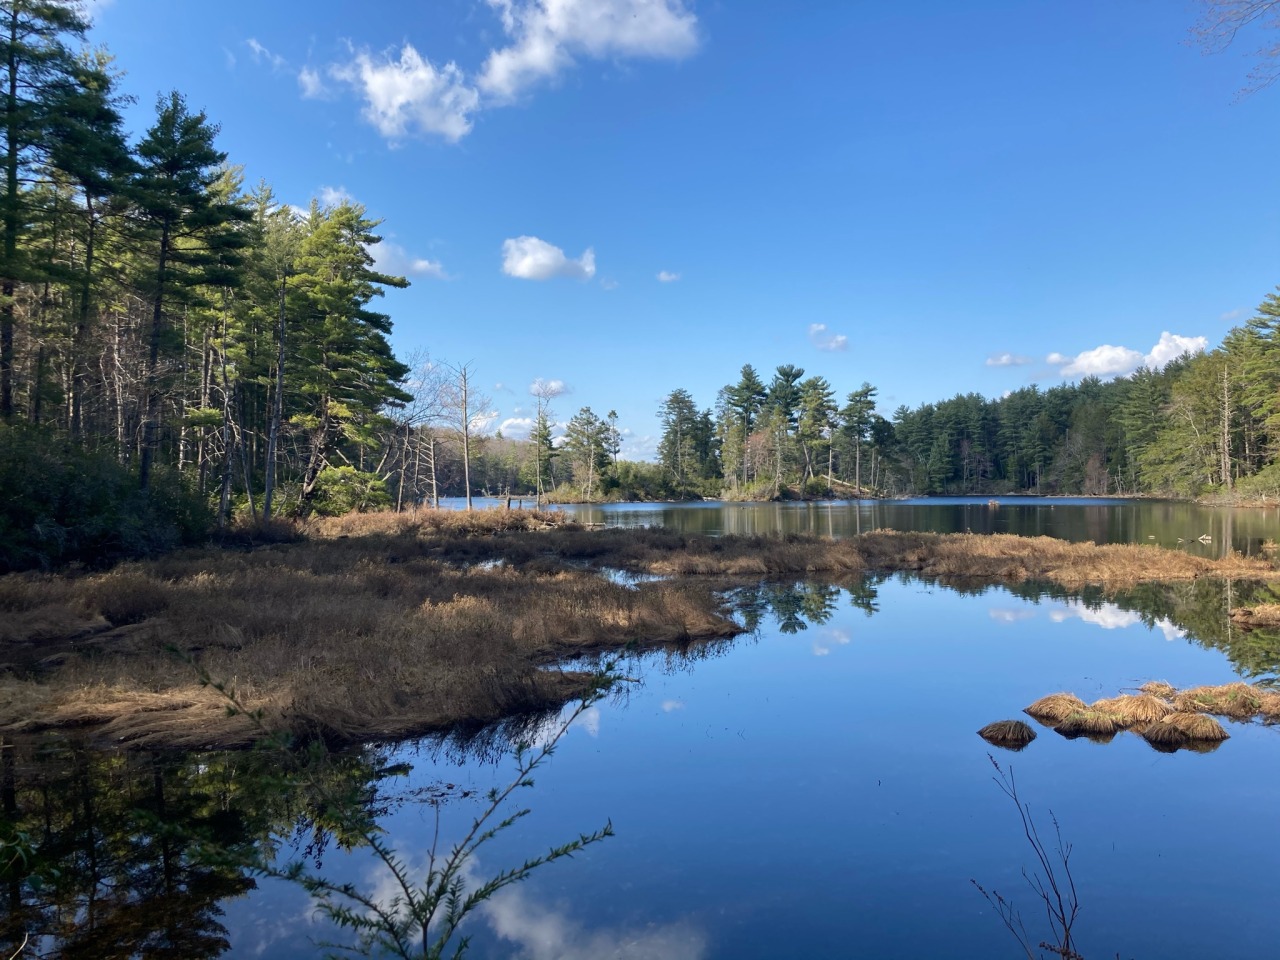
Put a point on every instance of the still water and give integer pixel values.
(1204, 530)
(814, 788)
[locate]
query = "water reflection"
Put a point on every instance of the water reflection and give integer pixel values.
(750, 752)
(1202, 530)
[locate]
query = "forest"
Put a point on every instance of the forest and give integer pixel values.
(180, 350)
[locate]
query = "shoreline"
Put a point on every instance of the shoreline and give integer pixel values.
(383, 626)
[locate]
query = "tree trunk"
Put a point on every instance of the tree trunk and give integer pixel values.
(9, 284)
(277, 411)
(152, 406)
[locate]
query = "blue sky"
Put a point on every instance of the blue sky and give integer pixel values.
(629, 196)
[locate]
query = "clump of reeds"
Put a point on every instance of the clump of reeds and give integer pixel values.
(1269, 706)
(1159, 688)
(1238, 700)
(1130, 710)
(1184, 730)
(1056, 707)
(1010, 734)
(1089, 723)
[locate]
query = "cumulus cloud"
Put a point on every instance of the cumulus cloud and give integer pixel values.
(823, 340)
(547, 35)
(532, 259)
(1109, 616)
(516, 428)
(393, 259)
(406, 94)
(543, 932)
(262, 55)
(1008, 360)
(671, 706)
(311, 84)
(666, 276)
(1171, 347)
(411, 96)
(1110, 361)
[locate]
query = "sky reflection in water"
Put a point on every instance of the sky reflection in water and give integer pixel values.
(822, 792)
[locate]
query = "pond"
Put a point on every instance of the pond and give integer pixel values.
(1199, 529)
(814, 788)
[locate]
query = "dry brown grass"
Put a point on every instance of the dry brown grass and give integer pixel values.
(1260, 615)
(1056, 707)
(1160, 689)
(1010, 734)
(376, 625)
(1088, 723)
(1181, 730)
(1131, 710)
(1239, 701)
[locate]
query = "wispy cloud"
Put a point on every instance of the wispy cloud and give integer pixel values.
(530, 258)
(1008, 360)
(311, 84)
(1231, 315)
(262, 55)
(666, 276)
(1109, 360)
(391, 258)
(334, 196)
(823, 339)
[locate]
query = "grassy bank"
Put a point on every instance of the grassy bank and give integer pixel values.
(383, 625)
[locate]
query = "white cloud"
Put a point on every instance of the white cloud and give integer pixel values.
(410, 95)
(262, 54)
(1007, 360)
(671, 706)
(546, 35)
(532, 259)
(334, 196)
(548, 388)
(542, 932)
(643, 448)
(516, 428)
(666, 276)
(1230, 315)
(1171, 347)
(609, 284)
(1010, 615)
(1109, 616)
(1108, 360)
(391, 258)
(830, 342)
(311, 85)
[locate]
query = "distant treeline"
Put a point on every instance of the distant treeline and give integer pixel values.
(1204, 424)
(177, 350)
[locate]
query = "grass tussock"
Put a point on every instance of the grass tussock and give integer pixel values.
(1160, 689)
(383, 624)
(1182, 730)
(1260, 615)
(1238, 701)
(1088, 723)
(1056, 707)
(1131, 710)
(1009, 734)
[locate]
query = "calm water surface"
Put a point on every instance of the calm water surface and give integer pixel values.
(1167, 523)
(816, 789)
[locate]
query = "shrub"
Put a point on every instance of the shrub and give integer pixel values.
(62, 502)
(342, 490)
